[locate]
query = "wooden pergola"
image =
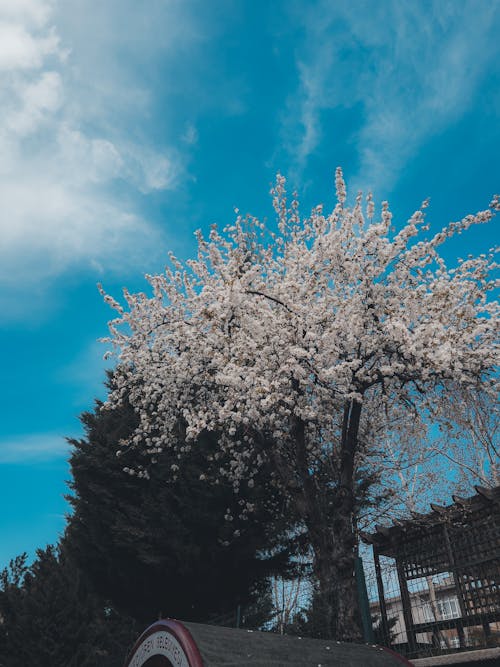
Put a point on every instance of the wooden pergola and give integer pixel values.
(461, 540)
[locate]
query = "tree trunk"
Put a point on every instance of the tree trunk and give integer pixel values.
(335, 605)
(334, 542)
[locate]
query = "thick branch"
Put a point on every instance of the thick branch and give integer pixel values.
(271, 298)
(349, 442)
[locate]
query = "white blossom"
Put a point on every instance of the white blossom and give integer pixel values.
(267, 326)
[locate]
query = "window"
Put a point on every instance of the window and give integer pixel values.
(448, 608)
(454, 642)
(427, 612)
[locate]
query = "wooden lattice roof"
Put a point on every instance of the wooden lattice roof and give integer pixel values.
(462, 512)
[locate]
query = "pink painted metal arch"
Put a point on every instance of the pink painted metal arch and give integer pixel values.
(153, 648)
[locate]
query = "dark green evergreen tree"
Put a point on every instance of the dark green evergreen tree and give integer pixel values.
(161, 545)
(49, 617)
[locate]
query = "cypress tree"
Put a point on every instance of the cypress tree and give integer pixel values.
(160, 545)
(50, 616)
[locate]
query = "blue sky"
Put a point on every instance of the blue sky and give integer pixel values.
(126, 126)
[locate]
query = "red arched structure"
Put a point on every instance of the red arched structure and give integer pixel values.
(166, 643)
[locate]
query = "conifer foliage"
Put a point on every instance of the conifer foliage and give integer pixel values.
(50, 616)
(161, 545)
(134, 549)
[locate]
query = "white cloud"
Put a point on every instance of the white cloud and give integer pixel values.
(33, 12)
(50, 229)
(36, 102)
(21, 50)
(87, 372)
(150, 170)
(33, 448)
(407, 69)
(71, 171)
(190, 135)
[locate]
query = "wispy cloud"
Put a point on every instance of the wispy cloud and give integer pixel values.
(410, 68)
(87, 373)
(33, 448)
(72, 169)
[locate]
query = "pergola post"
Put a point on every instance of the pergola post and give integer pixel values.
(381, 597)
(406, 601)
(458, 585)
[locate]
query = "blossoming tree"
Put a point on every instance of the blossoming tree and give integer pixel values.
(284, 340)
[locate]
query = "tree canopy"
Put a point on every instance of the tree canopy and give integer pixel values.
(293, 344)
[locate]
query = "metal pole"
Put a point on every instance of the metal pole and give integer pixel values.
(381, 598)
(364, 604)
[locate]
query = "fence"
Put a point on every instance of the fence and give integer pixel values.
(427, 586)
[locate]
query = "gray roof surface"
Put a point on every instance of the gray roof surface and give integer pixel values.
(227, 647)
